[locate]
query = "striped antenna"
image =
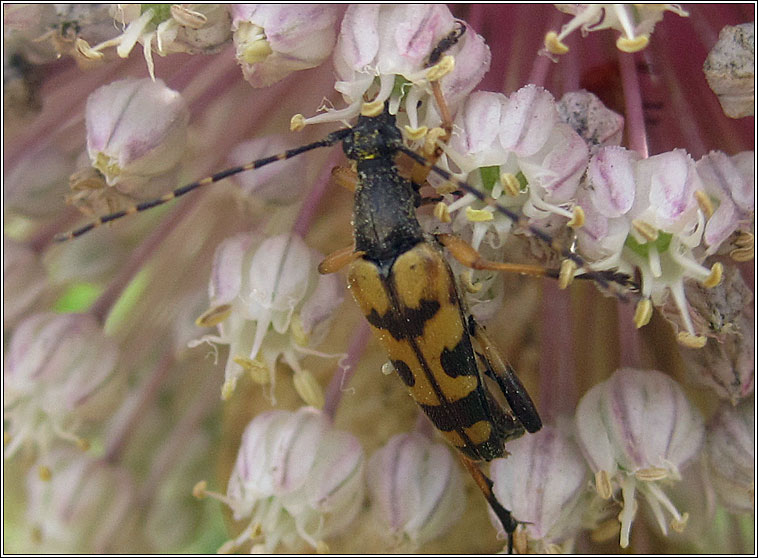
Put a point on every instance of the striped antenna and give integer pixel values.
(603, 278)
(331, 139)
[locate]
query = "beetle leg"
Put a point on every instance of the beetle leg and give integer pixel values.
(468, 256)
(345, 177)
(339, 259)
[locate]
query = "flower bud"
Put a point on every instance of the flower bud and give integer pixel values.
(136, 132)
(273, 40)
(637, 429)
(730, 453)
(54, 365)
(296, 478)
(542, 483)
(416, 490)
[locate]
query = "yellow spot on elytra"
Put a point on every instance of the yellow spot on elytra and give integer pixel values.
(553, 44)
(479, 432)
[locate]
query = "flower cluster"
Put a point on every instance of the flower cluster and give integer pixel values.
(644, 184)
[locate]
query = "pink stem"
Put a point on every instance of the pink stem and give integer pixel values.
(558, 389)
(635, 117)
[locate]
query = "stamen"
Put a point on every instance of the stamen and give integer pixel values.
(430, 143)
(297, 123)
(374, 108)
(577, 221)
(511, 184)
(603, 484)
(646, 230)
(478, 215)
(44, 473)
(255, 367)
(651, 474)
(643, 312)
(705, 203)
(553, 44)
(187, 17)
(717, 270)
(298, 333)
(566, 274)
(441, 213)
(415, 134)
(214, 316)
(691, 340)
(228, 388)
(441, 69)
(308, 388)
(625, 44)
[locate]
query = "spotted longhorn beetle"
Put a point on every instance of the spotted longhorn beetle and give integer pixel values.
(405, 287)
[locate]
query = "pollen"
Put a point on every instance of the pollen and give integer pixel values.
(441, 69)
(643, 312)
(553, 44)
(632, 44)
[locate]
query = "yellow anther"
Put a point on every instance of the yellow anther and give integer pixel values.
(651, 474)
(510, 183)
(745, 243)
(566, 273)
(83, 444)
(441, 212)
(705, 203)
(717, 270)
(228, 388)
(478, 215)
(632, 44)
(744, 240)
(643, 312)
(44, 472)
(646, 230)
(691, 340)
(678, 525)
(741, 254)
(374, 108)
(430, 143)
(256, 368)
(256, 51)
(553, 44)
(603, 484)
(322, 547)
(187, 17)
(441, 68)
(521, 541)
(198, 491)
(87, 52)
(308, 388)
(415, 134)
(299, 335)
(214, 316)
(297, 123)
(577, 221)
(606, 531)
(469, 284)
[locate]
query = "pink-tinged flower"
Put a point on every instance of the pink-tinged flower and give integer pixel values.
(598, 125)
(165, 29)
(730, 453)
(730, 183)
(382, 53)
(55, 364)
(730, 69)
(416, 490)
(636, 430)
(136, 135)
(78, 504)
(542, 483)
(24, 283)
(272, 41)
(269, 302)
(635, 22)
(296, 479)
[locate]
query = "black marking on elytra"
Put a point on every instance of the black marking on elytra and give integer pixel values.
(402, 322)
(462, 413)
(518, 398)
(457, 361)
(405, 373)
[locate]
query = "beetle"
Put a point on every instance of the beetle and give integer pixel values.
(406, 289)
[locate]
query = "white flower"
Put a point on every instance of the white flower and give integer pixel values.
(542, 483)
(275, 40)
(296, 479)
(636, 430)
(416, 489)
